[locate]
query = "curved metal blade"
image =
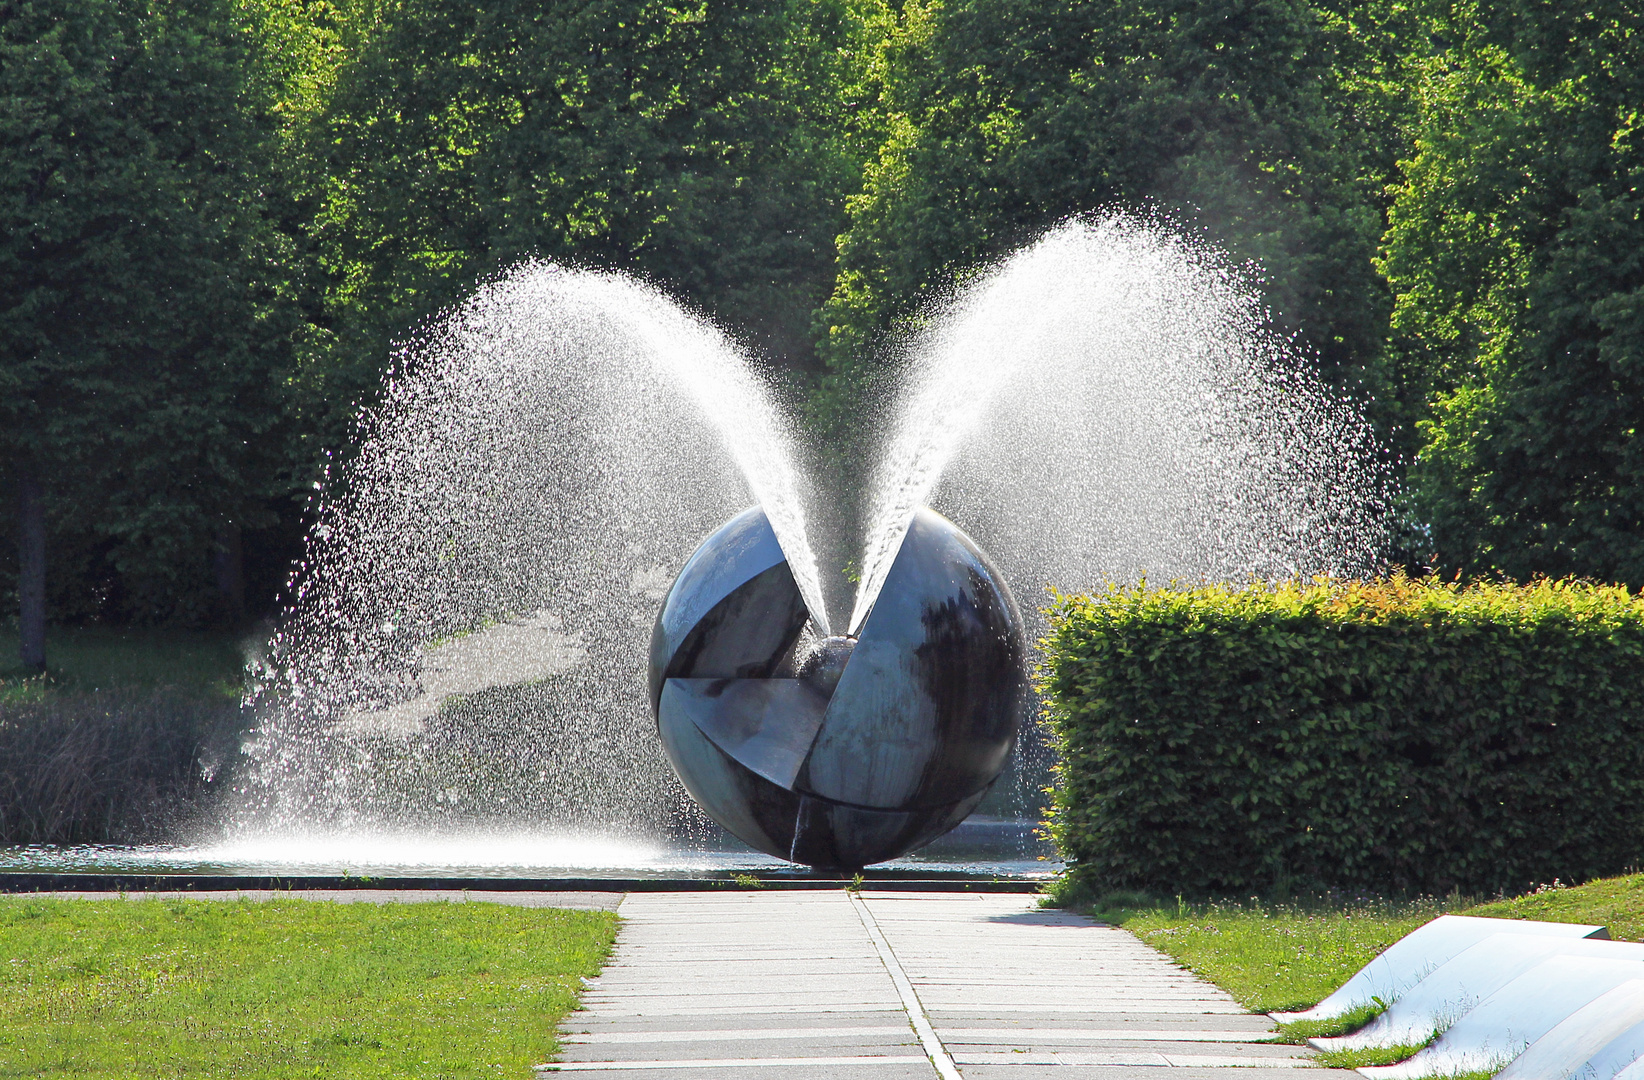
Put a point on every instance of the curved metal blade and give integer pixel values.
(767, 725)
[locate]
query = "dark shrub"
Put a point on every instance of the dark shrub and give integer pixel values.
(105, 765)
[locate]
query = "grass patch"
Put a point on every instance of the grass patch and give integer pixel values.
(119, 740)
(1273, 957)
(85, 658)
(287, 988)
(1371, 1055)
(1299, 1031)
(115, 765)
(1287, 957)
(1616, 902)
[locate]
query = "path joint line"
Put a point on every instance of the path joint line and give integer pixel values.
(938, 1054)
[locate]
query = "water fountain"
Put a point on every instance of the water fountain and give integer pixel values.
(460, 681)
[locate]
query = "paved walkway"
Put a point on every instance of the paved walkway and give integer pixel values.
(827, 986)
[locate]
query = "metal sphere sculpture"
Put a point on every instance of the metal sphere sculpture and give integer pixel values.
(842, 752)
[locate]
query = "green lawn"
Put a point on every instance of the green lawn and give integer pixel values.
(1282, 957)
(1274, 957)
(1614, 902)
(287, 988)
(96, 657)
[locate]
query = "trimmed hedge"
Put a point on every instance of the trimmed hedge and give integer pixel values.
(1399, 736)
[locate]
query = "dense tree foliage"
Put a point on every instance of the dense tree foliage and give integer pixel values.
(1262, 123)
(1516, 247)
(139, 333)
(221, 218)
(703, 145)
(220, 214)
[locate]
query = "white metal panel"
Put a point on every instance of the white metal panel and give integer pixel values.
(1635, 1071)
(1622, 1057)
(1503, 1025)
(1422, 951)
(1450, 992)
(1591, 1043)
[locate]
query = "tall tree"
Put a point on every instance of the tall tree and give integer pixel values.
(140, 345)
(708, 146)
(1517, 252)
(1265, 122)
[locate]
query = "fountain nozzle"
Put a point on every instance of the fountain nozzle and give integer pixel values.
(823, 667)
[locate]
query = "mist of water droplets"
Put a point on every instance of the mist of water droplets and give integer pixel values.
(469, 636)
(1105, 404)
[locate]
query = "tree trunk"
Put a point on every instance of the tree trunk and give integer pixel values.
(228, 565)
(31, 579)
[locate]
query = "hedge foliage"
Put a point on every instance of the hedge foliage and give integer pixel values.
(1397, 736)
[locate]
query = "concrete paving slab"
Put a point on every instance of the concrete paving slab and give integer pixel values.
(737, 1010)
(1064, 1009)
(585, 1023)
(881, 986)
(1118, 1056)
(1274, 1055)
(809, 1069)
(1084, 1034)
(1070, 1071)
(1030, 1057)
(742, 1050)
(761, 976)
(1259, 1026)
(878, 1031)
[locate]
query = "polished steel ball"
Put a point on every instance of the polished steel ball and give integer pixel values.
(839, 752)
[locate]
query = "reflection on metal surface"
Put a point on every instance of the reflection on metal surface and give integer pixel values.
(1595, 1042)
(1621, 1059)
(838, 752)
(1499, 1028)
(1532, 1000)
(1417, 954)
(1456, 987)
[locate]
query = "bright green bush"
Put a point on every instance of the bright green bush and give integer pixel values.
(1394, 737)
